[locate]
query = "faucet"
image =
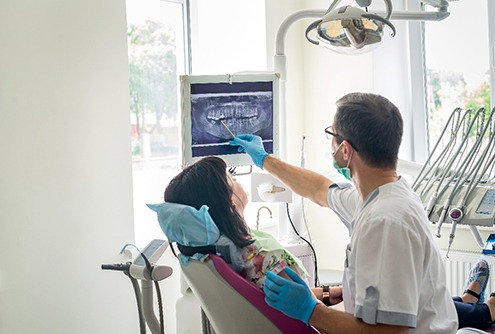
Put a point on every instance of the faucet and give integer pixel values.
(258, 215)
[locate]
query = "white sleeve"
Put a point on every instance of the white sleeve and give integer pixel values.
(389, 272)
(343, 199)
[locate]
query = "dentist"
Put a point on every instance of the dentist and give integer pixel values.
(394, 279)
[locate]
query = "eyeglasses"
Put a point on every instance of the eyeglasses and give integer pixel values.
(329, 133)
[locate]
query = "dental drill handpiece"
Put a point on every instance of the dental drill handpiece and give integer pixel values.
(456, 215)
(431, 204)
(442, 217)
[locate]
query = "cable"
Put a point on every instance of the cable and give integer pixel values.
(149, 268)
(160, 306)
(125, 268)
(304, 220)
(317, 280)
(158, 292)
(137, 292)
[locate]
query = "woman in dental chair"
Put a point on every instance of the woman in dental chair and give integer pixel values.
(207, 182)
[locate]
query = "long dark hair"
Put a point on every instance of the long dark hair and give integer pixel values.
(205, 183)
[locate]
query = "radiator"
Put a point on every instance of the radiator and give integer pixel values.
(457, 267)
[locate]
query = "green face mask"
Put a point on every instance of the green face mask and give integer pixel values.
(345, 171)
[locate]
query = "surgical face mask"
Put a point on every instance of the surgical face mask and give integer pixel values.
(345, 171)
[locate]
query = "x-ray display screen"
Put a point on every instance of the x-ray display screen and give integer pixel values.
(217, 110)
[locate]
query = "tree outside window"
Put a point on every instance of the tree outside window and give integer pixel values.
(153, 89)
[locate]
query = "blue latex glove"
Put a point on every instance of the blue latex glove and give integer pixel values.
(292, 298)
(253, 146)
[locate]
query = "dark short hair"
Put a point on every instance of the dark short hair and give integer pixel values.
(205, 183)
(373, 124)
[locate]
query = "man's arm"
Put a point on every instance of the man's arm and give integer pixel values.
(302, 181)
(294, 298)
(332, 321)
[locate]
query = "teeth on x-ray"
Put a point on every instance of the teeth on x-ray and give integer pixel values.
(232, 110)
(243, 113)
(239, 117)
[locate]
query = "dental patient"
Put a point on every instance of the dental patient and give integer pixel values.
(252, 253)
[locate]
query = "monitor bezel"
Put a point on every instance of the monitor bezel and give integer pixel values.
(232, 160)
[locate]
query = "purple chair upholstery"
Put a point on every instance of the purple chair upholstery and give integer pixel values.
(257, 297)
(234, 305)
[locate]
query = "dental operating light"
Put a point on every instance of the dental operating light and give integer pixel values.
(353, 30)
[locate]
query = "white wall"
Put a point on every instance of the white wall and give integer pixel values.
(65, 174)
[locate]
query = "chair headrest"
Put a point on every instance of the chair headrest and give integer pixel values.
(186, 225)
(189, 227)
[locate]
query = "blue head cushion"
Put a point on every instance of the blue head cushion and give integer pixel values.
(195, 228)
(186, 225)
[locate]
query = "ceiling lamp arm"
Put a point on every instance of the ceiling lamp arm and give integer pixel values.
(388, 3)
(333, 5)
(438, 15)
(440, 4)
(289, 21)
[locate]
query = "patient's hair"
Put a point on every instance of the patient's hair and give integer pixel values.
(205, 183)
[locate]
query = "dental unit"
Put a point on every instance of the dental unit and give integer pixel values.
(457, 183)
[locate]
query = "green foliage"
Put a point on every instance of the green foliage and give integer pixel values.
(435, 87)
(152, 72)
(446, 88)
(478, 98)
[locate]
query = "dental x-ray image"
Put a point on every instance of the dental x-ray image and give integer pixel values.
(241, 107)
(216, 108)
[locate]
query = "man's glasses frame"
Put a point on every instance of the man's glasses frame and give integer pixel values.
(329, 132)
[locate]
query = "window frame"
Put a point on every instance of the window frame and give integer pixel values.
(420, 139)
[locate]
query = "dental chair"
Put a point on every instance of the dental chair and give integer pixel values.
(234, 305)
(230, 302)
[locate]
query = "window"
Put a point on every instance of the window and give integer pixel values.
(226, 36)
(156, 52)
(457, 63)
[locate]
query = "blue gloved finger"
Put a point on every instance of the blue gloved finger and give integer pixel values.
(236, 141)
(270, 302)
(240, 149)
(294, 276)
(276, 279)
(252, 145)
(247, 137)
(290, 296)
(272, 286)
(270, 293)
